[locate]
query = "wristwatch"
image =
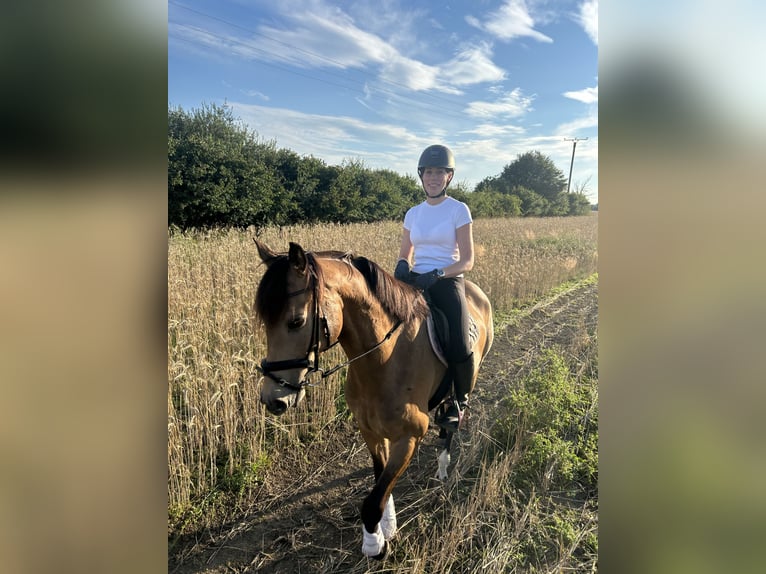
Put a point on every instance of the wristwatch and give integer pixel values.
(439, 273)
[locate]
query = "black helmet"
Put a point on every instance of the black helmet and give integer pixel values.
(436, 156)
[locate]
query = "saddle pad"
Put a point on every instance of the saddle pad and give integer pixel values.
(434, 339)
(473, 334)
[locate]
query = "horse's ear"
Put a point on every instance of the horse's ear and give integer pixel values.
(267, 255)
(297, 258)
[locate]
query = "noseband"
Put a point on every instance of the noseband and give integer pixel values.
(319, 323)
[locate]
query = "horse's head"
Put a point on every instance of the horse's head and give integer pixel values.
(287, 302)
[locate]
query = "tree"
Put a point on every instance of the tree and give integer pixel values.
(493, 204)
(389, 194)
(579, 204)
(531, 203)
(534, 172)
(218, 173)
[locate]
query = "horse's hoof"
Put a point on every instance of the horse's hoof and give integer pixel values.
(373, 544)
(444, 460)
(382, 552)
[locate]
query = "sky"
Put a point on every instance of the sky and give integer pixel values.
(378, 81)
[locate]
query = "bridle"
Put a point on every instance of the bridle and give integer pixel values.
(319, 326)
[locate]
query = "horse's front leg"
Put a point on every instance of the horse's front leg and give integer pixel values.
(378, 513)
(444, 455)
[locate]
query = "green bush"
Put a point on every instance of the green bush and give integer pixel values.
(552, 427)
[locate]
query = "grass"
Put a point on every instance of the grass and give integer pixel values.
(525, 498)
(221, 443)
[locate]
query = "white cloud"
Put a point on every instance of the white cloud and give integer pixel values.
(495, 130)
(588, 18)
(332, 138)
(473, 65)
(511, 20)
(410, 73)
(586, 122)
(321, 41)
(256, 94)
(586, 96)
(192, 37)
(512, 104)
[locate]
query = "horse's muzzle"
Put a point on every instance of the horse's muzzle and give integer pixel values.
(276, 407)
(278, 399)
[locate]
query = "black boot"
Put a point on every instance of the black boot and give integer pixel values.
(462, 378)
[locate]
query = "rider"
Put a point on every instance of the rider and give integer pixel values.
(439, 233)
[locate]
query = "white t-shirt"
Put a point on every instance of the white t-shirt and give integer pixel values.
(433, 232)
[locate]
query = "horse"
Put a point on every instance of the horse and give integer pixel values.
(309, 301)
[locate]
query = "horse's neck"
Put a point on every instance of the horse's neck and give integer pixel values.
(364, 324)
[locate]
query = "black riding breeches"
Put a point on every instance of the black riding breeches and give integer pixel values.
(448, 294)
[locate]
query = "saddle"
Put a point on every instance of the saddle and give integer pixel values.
(438, 336)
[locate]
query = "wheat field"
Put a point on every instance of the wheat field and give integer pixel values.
(220, 440)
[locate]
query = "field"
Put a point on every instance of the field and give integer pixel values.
(249, 492)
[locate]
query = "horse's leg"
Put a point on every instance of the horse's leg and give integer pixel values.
(376, 503)
(444, 456)
(374, 540)
(378, 447)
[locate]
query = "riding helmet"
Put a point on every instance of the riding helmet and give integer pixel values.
(436, 156)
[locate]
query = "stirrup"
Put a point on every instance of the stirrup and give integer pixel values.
(450, 425)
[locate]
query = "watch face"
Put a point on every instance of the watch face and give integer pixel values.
(440, 272)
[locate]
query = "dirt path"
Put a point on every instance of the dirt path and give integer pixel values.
(308, 521)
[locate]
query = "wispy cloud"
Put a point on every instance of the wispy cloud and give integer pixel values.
(511, 20)
(511, 104)
(256, 94)
(588, 18)
(495, 130)
(331, 137)
(324, 39)
(575, 126)
(474, 65)
(586, 96)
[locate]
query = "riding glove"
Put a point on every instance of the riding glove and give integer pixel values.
(402, 271)
(426, 280)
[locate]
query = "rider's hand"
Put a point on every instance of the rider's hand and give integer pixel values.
(426, 280)
(402, 271)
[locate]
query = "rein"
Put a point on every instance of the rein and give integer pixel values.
(319, 323)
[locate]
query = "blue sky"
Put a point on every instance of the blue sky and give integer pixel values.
(380, 80)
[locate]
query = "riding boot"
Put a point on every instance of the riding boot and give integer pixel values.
(462, 377)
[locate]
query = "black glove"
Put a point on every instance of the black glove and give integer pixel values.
(426, 280)
(402, 271)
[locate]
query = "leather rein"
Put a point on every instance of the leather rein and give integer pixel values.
(319, 325)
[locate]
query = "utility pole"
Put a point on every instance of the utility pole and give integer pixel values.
(574, 147)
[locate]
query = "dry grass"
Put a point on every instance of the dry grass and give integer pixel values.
(220, 440)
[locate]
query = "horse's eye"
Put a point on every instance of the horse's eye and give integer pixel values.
(297, 323)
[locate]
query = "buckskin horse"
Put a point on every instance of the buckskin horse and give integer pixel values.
(307, 302)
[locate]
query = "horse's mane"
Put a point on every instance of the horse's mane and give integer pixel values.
(401, 301)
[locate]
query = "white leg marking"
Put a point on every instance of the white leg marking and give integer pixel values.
(388, 521)
(444, 460)
(372, 544)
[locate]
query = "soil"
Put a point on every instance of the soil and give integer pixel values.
(307, 519)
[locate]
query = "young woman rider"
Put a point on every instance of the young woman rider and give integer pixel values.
(436, 249)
